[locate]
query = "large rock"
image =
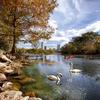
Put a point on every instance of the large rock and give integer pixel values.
(23, 98)
(7, 86)
(4, 58)
(35, 98)
(8, 69)
(16, 64)
(2, 65)
(15, 95)
(2, 77)
(11, 95)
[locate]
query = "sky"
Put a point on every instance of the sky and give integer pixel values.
(72, 18)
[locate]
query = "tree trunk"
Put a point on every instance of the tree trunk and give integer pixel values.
(13, 50)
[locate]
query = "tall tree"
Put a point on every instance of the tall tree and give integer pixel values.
(17, 18)
(88, 43)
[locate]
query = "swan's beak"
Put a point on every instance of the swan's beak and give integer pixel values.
(60, 74)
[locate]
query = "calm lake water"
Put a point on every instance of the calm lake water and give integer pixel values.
(74, 86)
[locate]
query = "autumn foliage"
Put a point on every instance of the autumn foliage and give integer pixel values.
(18, 17)
(88, 43)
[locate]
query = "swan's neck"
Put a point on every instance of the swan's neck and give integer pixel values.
(58, 76)
(58, 79)
(71, 65)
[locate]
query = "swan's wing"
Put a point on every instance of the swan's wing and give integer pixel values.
(76, 70)
(52, 77)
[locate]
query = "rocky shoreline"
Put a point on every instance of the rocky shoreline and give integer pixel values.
(7, 91)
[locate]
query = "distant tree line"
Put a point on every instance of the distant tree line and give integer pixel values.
(88, 43)
(41, 51)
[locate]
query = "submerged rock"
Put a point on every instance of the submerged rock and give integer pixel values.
(27, 80)
(31, 94)
(16, 86)
(19, 77)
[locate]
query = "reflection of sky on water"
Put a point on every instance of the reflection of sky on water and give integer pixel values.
(78, 86)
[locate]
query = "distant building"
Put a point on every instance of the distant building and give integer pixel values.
(58, 47)
(52, 45)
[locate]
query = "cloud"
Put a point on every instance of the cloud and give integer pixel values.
(66, 9)
(76, 13)
(95, 27)
(74, 17)
(59, 34)
(53, 23)
(66, 36)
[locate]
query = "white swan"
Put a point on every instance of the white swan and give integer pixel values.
(74, 70)
(55, 78)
